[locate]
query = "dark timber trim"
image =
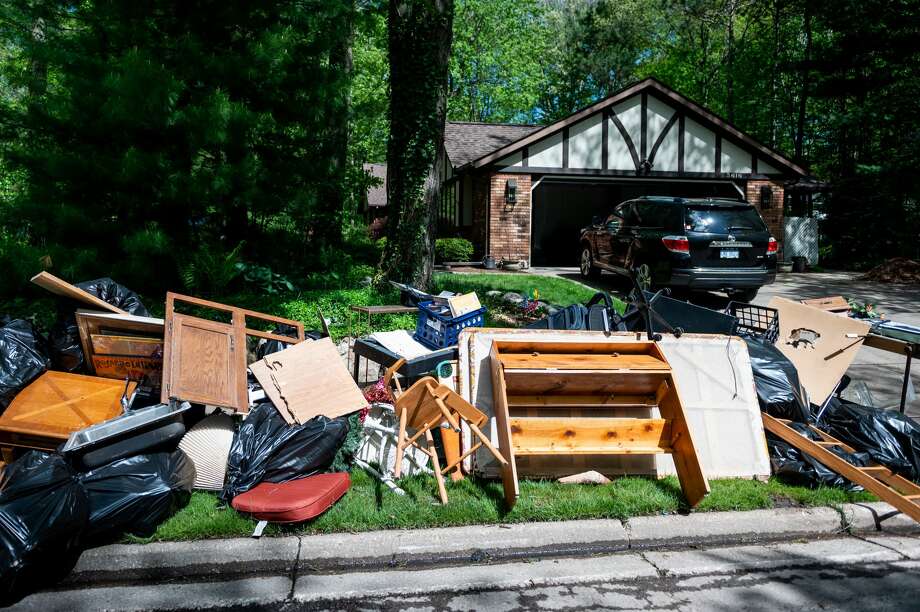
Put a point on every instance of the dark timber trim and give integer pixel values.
(753, 164)
(644, 128)
(565, 147)
(718, 160)
(524, 155)
(626, 138)
(605, 127)
(681, 135)
(560, 172)
(660, 139)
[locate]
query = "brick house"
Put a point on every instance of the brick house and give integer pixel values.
(522, 192)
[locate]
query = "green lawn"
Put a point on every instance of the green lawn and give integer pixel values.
(370, 505)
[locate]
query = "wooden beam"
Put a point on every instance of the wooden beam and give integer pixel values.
(644, 127)
(590, 436)
(605, 134)
(660, 139)
(862, 476)
(626, 138)
(565, 147)
(681, 133)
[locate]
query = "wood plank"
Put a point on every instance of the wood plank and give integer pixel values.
(507, 347)
(575, 361)
(569, 401)
(143, 369)
(589, 436)
(463, 304)
(841, 466)
(62, 288)
(128, 346)
(693, 481)
(503, 427)
(58, 403)
(584, 382)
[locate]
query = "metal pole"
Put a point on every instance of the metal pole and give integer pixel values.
(909, 351)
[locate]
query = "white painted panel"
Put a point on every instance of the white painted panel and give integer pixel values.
(765, 168)
(585, 146)
(666, 157)
(629, 112)
(618, 155)
(734, 158)
(546, 153)
(658, 114)
(719, 400)
(699, 148)
(512, 160)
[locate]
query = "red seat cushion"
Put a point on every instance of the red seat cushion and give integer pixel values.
(294, 501)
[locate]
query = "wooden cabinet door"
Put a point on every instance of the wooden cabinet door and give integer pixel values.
(201, 362)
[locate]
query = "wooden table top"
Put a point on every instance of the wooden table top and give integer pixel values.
(57, 404)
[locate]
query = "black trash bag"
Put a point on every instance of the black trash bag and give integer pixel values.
(889, 437)
(798, 468)
(267, 347)
(266, 448)
(43, 512)
(777, 381)
(66, 349)
(112, 293)
(23, 357)
(64, 339)
(136, 494)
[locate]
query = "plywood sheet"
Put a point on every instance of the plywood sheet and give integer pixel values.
(820, 344)
(307, 380)
(57, 404)
(128, 346)
(62, 288)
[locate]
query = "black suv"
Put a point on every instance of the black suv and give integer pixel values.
(706, 244)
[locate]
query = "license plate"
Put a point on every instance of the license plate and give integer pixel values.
(729, 254)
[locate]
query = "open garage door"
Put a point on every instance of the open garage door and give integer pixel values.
(562, 206)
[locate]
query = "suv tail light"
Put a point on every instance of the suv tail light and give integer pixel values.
(676, 244)
(772, 246)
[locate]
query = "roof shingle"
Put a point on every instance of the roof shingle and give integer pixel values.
(466, 142)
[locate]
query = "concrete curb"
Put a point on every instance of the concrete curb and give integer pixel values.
(396, 549)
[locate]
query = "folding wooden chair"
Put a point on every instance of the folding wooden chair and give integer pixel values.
(425, 405)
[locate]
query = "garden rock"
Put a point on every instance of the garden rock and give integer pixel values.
(513, 298)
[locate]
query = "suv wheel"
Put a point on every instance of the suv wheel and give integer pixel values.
(743, 295)
(587, 264)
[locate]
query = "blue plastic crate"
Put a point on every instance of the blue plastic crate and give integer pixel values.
(437, 329)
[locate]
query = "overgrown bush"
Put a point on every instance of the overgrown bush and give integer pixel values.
(453, 249)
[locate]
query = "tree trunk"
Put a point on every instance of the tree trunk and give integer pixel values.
(420, 35)
(328, 224)
(803, 96)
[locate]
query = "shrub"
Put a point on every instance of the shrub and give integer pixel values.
(453, 249)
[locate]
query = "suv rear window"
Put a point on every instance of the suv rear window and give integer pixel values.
(723, 219)
(658, 216)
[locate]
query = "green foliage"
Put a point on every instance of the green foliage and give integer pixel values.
(453, 249)
(210, 270)
(263, 278)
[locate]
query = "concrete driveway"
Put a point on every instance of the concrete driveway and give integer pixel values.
(881, 371)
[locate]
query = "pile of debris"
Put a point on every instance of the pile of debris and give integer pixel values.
(110, 422)
(896, 270)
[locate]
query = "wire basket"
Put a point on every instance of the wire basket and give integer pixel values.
(757, 321)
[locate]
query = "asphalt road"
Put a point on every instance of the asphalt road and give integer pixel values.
(881, 371)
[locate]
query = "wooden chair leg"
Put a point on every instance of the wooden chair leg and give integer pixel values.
(437, 466)
(487, 443)
(451, 441)
(400, 444)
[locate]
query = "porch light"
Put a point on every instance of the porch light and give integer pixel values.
(510, 191)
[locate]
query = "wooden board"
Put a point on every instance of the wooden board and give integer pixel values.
(833, 303)
(307, 380)
(822, 363)
(127, 346)
(590, 436)
(575, 361)
(205, 361)
(56, 404)
(505, 443)
(585, 382)
(463, 304)
(881, 481)
(145, 369)
(62, 288)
